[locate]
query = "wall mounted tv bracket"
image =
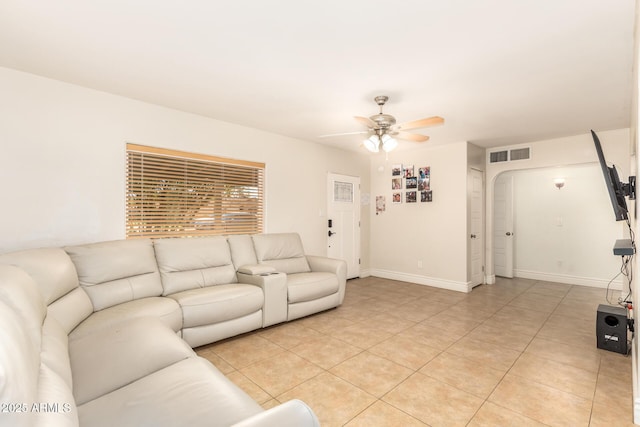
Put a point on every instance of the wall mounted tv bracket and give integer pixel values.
(630, 188)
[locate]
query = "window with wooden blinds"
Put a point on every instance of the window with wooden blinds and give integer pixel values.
(174, 193)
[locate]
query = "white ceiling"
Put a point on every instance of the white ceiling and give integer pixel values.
(499, 71)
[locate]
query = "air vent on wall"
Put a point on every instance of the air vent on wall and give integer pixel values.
(520, 154)
(498, 156)
(510, 155)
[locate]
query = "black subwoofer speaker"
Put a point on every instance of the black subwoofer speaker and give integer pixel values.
(611, 328)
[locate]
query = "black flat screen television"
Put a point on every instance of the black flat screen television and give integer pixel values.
(617, 190)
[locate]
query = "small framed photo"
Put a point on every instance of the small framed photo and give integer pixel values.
(396, 183)
(423, 184)
(411, 197)
(396, 170)
(412, 182)
(396, 198)
(408, 171)
(424, 172)
(426, 196)
(380, 204)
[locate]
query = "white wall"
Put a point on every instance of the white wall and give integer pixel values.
(63, 158)
(432, 233)
(561, 152)
(564, 235)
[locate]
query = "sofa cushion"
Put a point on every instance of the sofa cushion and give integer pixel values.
(51, 268)
(55, 350)
(57, 281)
(19, 291)
(112, 358)
(206, 334)
(165, 309)
(242, 251)
(29, 359)
(71, 309)
(218, 303)
(283, 251)
(190, 263)
(55, 404)
(189, 393)
(309, 286)
(117, 271)
(293, 413)
(21, 317)
(19, 366)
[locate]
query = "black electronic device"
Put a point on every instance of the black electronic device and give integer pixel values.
(617, 189)
(611, 328)
(624, 247)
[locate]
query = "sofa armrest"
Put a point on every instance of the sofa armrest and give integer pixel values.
(256, 269)
(274, 288)
(294, 413)
(330, 265)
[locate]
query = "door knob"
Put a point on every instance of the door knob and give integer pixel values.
(331, 233)
(473, 236)
(508, 233)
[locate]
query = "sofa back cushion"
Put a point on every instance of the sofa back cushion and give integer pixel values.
(242, 251)
(22, 312)
(20, 293)
(35, 372)
(283, 251)
(19, 366)
(51, 268)
(117, 271)
(57, 281)
(189, 263)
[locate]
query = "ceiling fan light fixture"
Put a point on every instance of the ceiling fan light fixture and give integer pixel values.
(389, 143)
(372, 143)
(382, 126)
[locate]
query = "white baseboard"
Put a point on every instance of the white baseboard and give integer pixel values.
(466, 286)
(365, 272)
(571, 280)
(422, 280)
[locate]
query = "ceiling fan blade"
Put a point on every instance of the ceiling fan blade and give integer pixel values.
(414, 137)
(366, 121)
(415, 124)
(331, 135)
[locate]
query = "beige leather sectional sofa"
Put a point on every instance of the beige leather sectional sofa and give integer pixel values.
(102, 334)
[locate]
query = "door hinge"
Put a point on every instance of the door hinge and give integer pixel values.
(483, 268)
(359, 261)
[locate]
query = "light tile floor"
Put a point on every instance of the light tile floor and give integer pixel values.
(516, 353)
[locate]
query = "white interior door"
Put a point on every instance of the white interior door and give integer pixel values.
(476, 227)
(503, 226)
(343, 225)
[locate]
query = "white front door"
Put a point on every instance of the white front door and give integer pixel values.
(343, 221)
(476, 227)
(503, 226)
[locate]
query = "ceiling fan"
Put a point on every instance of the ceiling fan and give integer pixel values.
(383, 129)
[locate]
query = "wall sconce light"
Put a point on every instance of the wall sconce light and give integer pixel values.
(559, 183)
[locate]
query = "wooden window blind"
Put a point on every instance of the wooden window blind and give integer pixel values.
(175, 193)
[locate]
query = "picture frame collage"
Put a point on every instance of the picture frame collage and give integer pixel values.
(415, 185)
